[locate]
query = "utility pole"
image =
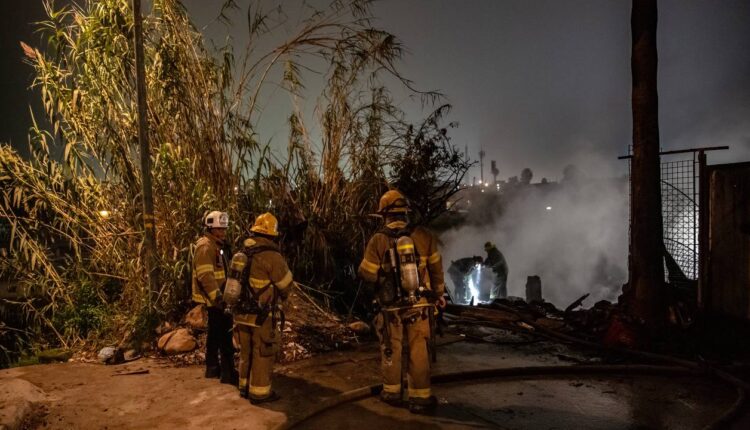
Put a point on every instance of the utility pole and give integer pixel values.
(149, 227)
(481, 166)
(646, 267)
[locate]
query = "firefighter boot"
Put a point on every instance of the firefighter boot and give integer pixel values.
(212, 372)
(393, 399)
(268, 399)
(229, 376)
(422, 406)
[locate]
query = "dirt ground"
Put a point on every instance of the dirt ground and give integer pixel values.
(91, 396)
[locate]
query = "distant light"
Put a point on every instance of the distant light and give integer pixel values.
(236, 188)
(549, 208)
(486, 184)
(104, 214)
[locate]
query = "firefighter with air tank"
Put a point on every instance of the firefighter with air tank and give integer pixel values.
(403, 269)
(209, 275)
(259, 280)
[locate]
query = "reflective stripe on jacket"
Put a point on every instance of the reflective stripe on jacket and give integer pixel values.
(430, 262)
(269, 275)
(209, 274)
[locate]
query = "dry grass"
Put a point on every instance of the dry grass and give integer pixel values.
(203, 112)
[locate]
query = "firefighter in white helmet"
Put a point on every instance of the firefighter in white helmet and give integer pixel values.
(407, 303)
(266, 281)
(209, 276)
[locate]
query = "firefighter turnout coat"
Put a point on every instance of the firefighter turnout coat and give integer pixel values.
(412, 320)
(269, 279)
(209, 274)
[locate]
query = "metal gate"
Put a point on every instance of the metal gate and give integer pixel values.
(681, 208)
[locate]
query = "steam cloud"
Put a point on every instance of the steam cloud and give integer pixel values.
(579, 245)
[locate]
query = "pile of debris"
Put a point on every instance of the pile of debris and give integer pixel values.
(309, 329)
(591, 324)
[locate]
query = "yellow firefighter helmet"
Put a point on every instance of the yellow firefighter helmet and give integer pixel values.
(393, 202)
(266, 224)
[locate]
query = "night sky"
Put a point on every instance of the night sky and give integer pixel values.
(537, 84)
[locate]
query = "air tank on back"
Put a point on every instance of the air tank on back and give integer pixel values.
(233, 287)
(408, 264)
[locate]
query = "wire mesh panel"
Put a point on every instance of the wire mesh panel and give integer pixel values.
(679, 195)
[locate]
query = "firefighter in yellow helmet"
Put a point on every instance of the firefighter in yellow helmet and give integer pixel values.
(265, 279)
(209, 275)
(407, 296)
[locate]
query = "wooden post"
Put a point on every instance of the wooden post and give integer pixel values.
(646, 269)
(534, 289)
(149, 228)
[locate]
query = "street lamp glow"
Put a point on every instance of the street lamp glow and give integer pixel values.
(549, 208)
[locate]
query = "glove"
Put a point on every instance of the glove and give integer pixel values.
(219, 303)
(441, 302)
(368, 291)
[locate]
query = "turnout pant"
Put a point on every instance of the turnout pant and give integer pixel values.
(416, 328)
(459, 289)
(258, 346)
(499, 287)
(219, 340)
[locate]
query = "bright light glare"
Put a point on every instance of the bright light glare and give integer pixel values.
(549, 208)
(473, 288)
(104, 214)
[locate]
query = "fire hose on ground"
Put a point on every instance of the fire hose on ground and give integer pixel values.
(676, 367)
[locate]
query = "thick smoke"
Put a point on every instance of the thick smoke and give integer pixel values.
(573, 235)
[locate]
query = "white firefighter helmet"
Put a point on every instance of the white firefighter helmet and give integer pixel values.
(217, 219)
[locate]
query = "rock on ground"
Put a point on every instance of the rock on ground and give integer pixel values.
(110, 355)
(197, 318)
(177, 342)
(18, 399)
(359, 327)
